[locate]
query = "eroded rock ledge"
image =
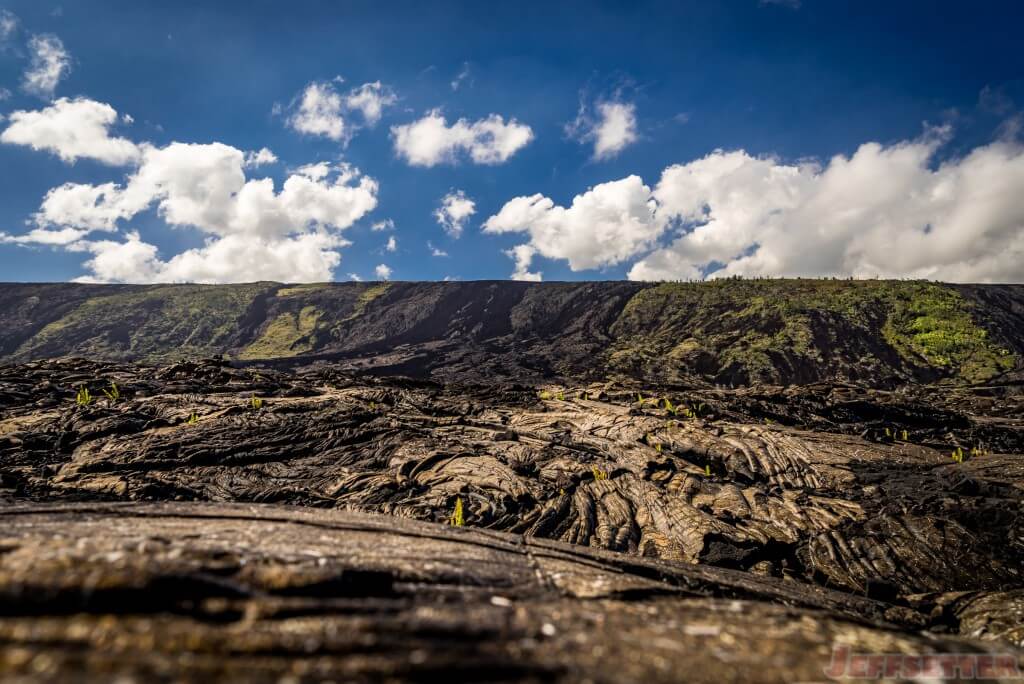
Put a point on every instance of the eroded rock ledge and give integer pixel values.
(195, 591)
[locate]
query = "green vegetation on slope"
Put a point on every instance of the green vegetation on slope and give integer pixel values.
(726, 331)
(301, 289)
(149, 324)
(366, 297)
(287, 335)
(749, 330)
(292, 332)
(934, 323)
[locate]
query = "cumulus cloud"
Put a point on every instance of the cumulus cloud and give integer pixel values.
(323, 111)
(255, 231)
(523, 256)
(435, 251)
(204, 186)
(383, 272)
(319, 113)
(430, 140)
(72, 129)
(49, 63)
(391, 245)
(886, 211)
(44, 236)
(370, 99)
(262, 157)
(379, 226)
(309, 257)
(611, 129)
(606, 225)
(454, 211)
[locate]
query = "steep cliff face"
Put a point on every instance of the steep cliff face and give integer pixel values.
(724, 332)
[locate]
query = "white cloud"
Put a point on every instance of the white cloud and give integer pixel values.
(454, 211)
(386, 224)
(261, 158)
(370, 99)
(45, 236)
(319, 113)
(310, 257)
(88, 207)
(72, 129)
(204, 186)
(523, 256)
(434, 251)
(383, 272)
(316, 171)
(4, 95)
(392, 244)
(49, 63)
(606, 225)
(255, 231)
(355, 277)
(613, 130)
(885, 211)
(322, 111)
(430, 140)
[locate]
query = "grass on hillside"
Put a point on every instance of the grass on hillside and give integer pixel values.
(151, 324)
(752, 324)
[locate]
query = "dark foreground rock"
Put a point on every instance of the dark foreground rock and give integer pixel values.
(835, 485)
(612, 531)
(193, 592)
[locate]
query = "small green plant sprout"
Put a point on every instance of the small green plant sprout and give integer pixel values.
(977, 451)
(193, 419)
(544, 394)
(657, 447)
(113, 394)
(707, 470)
(561, 491)
(456, 519)
(904, 436)
(888, 433)
(599, 474)
(373, 406)
(667, 403)
(584, 395)
(83, 398)
(958, 455)
(560, 396)
(255, 403)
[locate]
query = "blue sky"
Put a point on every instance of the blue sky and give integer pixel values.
(748, 102)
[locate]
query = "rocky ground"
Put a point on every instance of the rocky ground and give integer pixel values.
(612, 531)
